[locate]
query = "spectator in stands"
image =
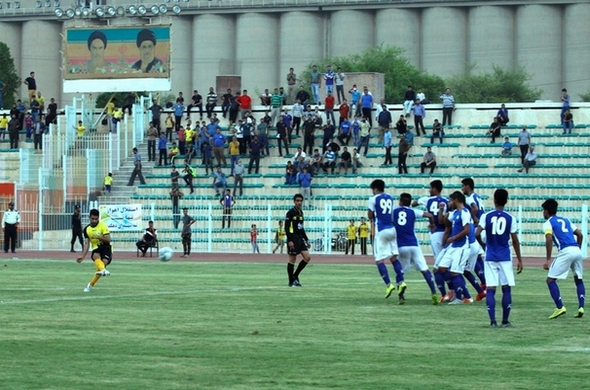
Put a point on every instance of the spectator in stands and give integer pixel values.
(234, 153)
(365, 136)
(329, 81)
(409, 99)
(345, 161)
(401, 125)
(29, 126)
(239, 177)
(529, 160)
(254, 148)
(174, 175)
(429, 161)
(317, 117)
(329, 106)
(344, 131)
(437, 131)
(13, 129)
(366, 103)
(304, 179)
(565, 99)
(226, 101)
(297, 114)
(219, 180)
(503, 115)
(303, 97)
(404, 149)
(568, 122)
(524, 141)
(343, 111)
(137, 168)
(356, 160)
(290, 173)
(245, 102)
(288, 121)
(356, 131)
(265, 98)
(181, 140)
(421, 97)
(419, 115)
(308, 134)
(448, 106)
(162, 149)
(316, 83)
(39, 129)
(117, 118)
(298, 158)
(387, 144)
(329, 132)
(178, 110)
(207, 155)
(355, 97)
(262, 132)
(329, 160)
(291, 81)
(234, 108)
(227, 203)
(316, 161)
(108, 183)
(51, 116)
(189, 177)
(152, 134)
(282, 136)
(507, 147)
(211, 102)
(148, 239)
(175, 196)
(219, 147)
(384, 121)
(276, 104)
(495, 129)
(196, 101)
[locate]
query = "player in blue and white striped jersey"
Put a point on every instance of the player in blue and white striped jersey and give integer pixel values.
(499, 227)
(568, 239)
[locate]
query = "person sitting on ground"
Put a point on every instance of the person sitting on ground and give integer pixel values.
(290, 173)
(503, 115)
(437, 132)
(345, 161)
(529, 160)
(148, 240)
(507, 147)
(429, 161)
(495, 129)
(316, 162)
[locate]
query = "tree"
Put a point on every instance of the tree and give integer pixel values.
(585, 97)
(399, 73)
(8, 76)
(499, 86)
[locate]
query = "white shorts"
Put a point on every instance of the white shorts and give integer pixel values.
(412, 256)
(455, 259)
(567, 258)
(499, 273)
(385, 244)
(436, 243)
(439, 258)
(474, 250)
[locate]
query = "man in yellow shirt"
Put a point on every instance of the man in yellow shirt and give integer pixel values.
(364, 235)
(280, 237)
(110, 108)
(108, 183)
(234, 153)
(3, 125)
(352, 232)
(189, 136)
(169, 122)
(173, 152)
(80, 129)
(41, 101)
(117, 117)
(98, 237)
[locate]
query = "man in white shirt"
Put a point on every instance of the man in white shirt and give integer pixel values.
(529, 160)
(339, 77)
(10, 221)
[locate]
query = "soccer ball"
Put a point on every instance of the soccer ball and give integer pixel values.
(165, 254)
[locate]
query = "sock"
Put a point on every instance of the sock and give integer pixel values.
(469, 276)
(506, 303)
(300, 267)
(384, 274)
(399, 272)
(94, 280)
(428, 277)
(491, 303)
(479, 270)
(466, 293)
(581, 291)
(290, 267)
(555, 294)
(458, 286)
(99, 265)
(440, 283)
(449, 279)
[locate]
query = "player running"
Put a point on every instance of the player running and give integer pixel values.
(499, 227)
(561, 231)
(97, 234)
(381, 216)
(297, 241)
(410, 254)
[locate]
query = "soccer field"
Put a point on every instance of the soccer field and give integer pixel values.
(188, 325)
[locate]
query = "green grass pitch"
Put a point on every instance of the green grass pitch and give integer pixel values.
(181, 325)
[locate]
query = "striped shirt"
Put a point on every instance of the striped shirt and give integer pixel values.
(276, 100)
(448, 101)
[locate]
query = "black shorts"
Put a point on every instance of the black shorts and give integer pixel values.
(106, 253)
(299, 246)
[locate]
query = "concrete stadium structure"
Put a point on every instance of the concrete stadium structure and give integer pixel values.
(260, 40)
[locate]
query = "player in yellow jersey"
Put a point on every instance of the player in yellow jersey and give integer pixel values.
(352, 231)
(97, 235)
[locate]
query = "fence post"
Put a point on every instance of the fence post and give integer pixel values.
(585, 229)
(65, 178)
(88, 151)
(269, 230)
(327, 239)
(110, 153)
(40, 214)
(152, 211)
(210, 229)
(519, 223)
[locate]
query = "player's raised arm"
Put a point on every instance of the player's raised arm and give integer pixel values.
(516, 246)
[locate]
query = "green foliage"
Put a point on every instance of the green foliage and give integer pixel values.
(585, 97)
(399, 73)
(501, 85)
(8, 76)
(103, 98)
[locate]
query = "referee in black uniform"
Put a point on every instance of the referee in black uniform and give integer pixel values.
(76, 229)
(297, 241)
(10, 221)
